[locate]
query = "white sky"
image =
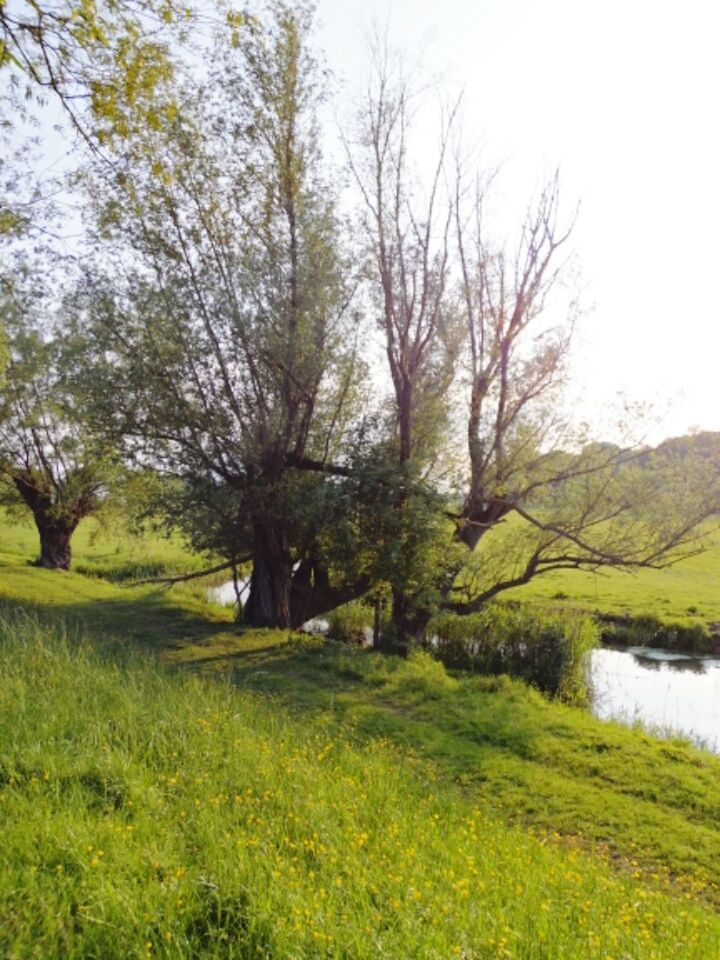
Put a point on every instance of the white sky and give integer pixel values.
(623, 96)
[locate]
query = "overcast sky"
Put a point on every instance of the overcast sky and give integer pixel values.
(623, 96)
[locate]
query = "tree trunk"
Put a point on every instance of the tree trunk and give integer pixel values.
(315, 598)
(55, 536)
(268, 603)
(408, 625)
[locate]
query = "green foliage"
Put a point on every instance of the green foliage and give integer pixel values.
(194, 820)
(349, 622)
(548, 649)
(4, 354)
(51, 460)
(649, 631)
(227, 356)
(106, 63)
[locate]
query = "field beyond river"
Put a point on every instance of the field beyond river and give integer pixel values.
(174, 786)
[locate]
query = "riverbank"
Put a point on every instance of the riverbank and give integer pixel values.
(677, 607)
(540, 764)
(641, 810)
(155, 812)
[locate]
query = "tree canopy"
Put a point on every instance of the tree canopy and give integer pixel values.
(51, 462)
(351, 391)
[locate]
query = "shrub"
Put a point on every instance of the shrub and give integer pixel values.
(350, 622)
(546, 648)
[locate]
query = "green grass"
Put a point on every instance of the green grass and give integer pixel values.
(531, 761)
(686, 592)
(100, 551)
(102, 599)
(388, 807)
(148, 813)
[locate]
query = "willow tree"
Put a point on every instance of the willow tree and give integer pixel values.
(487, 328)
(225, 347)
(409, 228)
(100, 61)
(550, 497)
(51, 462)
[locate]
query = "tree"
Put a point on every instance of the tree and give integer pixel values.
(409, 234)
(50, 462)
(226, 352)
(551, 499)
(575, 504)
(101, 62)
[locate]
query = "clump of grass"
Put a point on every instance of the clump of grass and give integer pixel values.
(648, 630)
(349, 622)
(155, 814)
(546, 648)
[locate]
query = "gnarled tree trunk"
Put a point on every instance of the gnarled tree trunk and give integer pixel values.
(408, 627)
(268, 603)
(55, 536)
(55, 530)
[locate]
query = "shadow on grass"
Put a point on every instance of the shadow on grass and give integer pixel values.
(415, 703)
(148, 623)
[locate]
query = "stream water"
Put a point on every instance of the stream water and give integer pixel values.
(666, 692)
(225, 593)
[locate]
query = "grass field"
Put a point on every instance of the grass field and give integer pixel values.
(174, 787)
(687, 592)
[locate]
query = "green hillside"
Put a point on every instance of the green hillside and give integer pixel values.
(260, 794)
(158, 814)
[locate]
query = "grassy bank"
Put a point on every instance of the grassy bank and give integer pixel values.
(260, 793)
(160, 814)
(101, 598)
(109, 552)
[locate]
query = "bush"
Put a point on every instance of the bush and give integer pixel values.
(546, 648)
(350, 622)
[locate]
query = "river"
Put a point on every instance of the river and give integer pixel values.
(665, 692)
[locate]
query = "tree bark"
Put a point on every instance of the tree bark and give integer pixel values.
(268, 602)
(315, 599)
(55, 549)
(409, 624)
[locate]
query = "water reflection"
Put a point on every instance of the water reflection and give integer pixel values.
(225, 594)
(657, 659)
(670, 693)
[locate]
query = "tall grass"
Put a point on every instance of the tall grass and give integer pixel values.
(645, 630)
(546, 648)
(146, 814)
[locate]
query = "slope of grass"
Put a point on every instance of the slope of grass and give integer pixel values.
(154, 814)
(654, 804)
(548, 804)
(103, 599)
(531, 761)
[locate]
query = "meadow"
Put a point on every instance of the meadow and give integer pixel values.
(686, 592)
(172, 786)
